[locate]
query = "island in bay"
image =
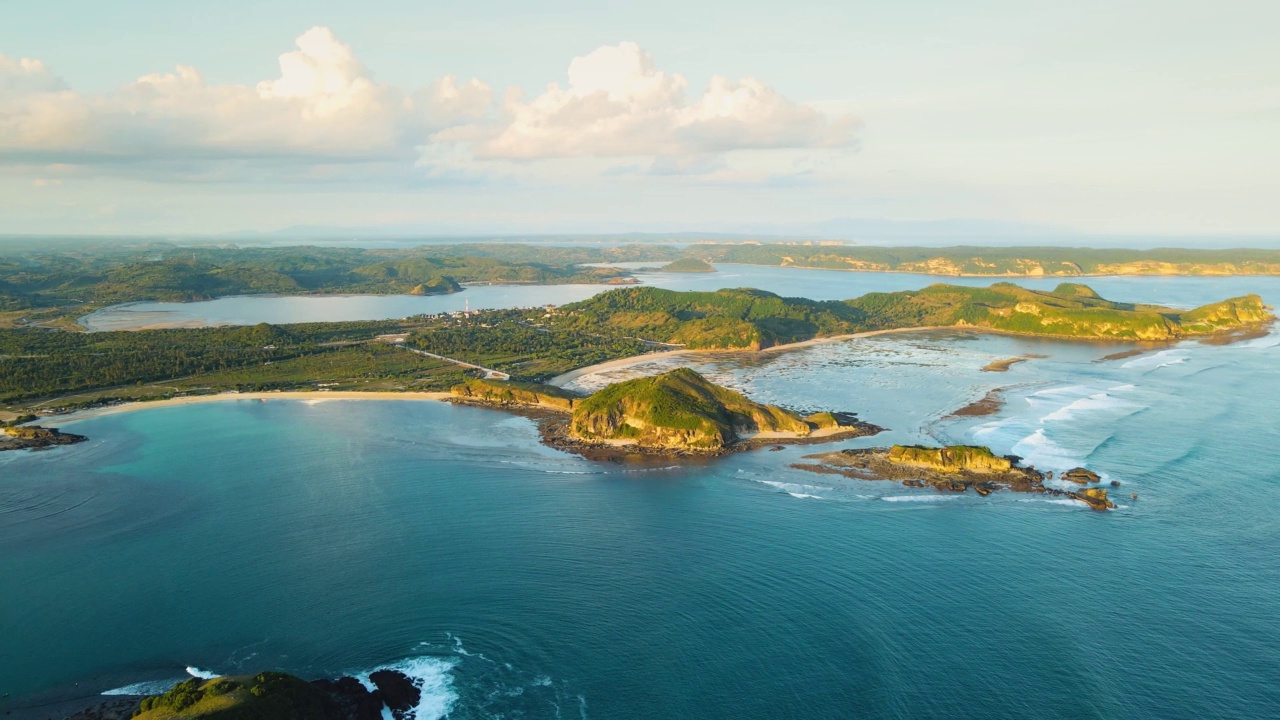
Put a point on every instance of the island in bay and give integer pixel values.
(676, 413)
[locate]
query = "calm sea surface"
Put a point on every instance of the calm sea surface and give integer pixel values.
(514, 581)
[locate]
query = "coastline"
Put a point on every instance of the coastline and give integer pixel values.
(561, 380)
(319, 395)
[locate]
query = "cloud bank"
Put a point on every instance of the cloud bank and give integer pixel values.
(326, 107)
(617, 103)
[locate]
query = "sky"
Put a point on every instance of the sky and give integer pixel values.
(1120, 117)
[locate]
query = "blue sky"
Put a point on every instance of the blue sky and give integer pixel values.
(147, 117)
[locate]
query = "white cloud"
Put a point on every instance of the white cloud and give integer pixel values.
(325, 109)
(25, 75)
(323, 106)
(617, 103)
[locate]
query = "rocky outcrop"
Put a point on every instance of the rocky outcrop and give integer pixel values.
(269, 695)
(508, 394)
(35, 437)
(1094, 497)
(1081, 476)
(948, 469)
(951, 459)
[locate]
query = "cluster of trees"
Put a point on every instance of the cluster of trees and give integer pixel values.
(39, 363)
(741, 318)
(525, 352)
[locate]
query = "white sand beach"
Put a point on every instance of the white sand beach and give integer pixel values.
(562, 380)
(314, 396)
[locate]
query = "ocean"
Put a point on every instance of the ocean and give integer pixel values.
(324, 537)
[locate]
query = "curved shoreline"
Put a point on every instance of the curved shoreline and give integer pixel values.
(315, 395)
(561, 380)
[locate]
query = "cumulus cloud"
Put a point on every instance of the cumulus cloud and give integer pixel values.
(324, 109)
(618, 103)
(324, 105)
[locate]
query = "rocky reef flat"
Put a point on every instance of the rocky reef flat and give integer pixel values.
(957, 468)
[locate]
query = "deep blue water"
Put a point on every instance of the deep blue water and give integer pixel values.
(516, 581)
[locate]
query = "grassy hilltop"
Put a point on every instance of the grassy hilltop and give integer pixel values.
(678, 409)
(755, 319)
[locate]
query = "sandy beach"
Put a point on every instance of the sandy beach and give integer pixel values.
(561, 380)
(315, 396)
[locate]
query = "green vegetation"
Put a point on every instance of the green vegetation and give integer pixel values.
(1070, 310)
(502, 340)
(44, 368)
(952, 458)
(515, 393)
(741, 318)
(158, 363)
(33, 278)
(1010, 261)
(439, 285)
(265, 696)
(679, 409)
(754, 319)
(689, 265)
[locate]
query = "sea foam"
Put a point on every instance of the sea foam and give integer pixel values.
(434, 679)
(149, 687)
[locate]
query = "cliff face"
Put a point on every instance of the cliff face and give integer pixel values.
(679, 410)
(953, 458)
(515, 393)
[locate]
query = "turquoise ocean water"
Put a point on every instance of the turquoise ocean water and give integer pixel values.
(514, 581)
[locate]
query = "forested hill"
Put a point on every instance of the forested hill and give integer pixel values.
(997, 261)
(755, 319)
(31, 278)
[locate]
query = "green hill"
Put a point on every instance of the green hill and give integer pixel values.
(1070, 310)
(438, 285)
(738, 318)
(688, 265)
(678, 410)
(258, 697)
(754, 319)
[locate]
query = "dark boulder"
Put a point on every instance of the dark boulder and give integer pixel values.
(397, 690)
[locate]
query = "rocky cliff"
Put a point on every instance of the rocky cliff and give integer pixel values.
(953, 458)
(492, 392)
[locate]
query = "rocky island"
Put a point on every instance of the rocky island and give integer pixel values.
(676, 413)
(955, 468)
(34, 437)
